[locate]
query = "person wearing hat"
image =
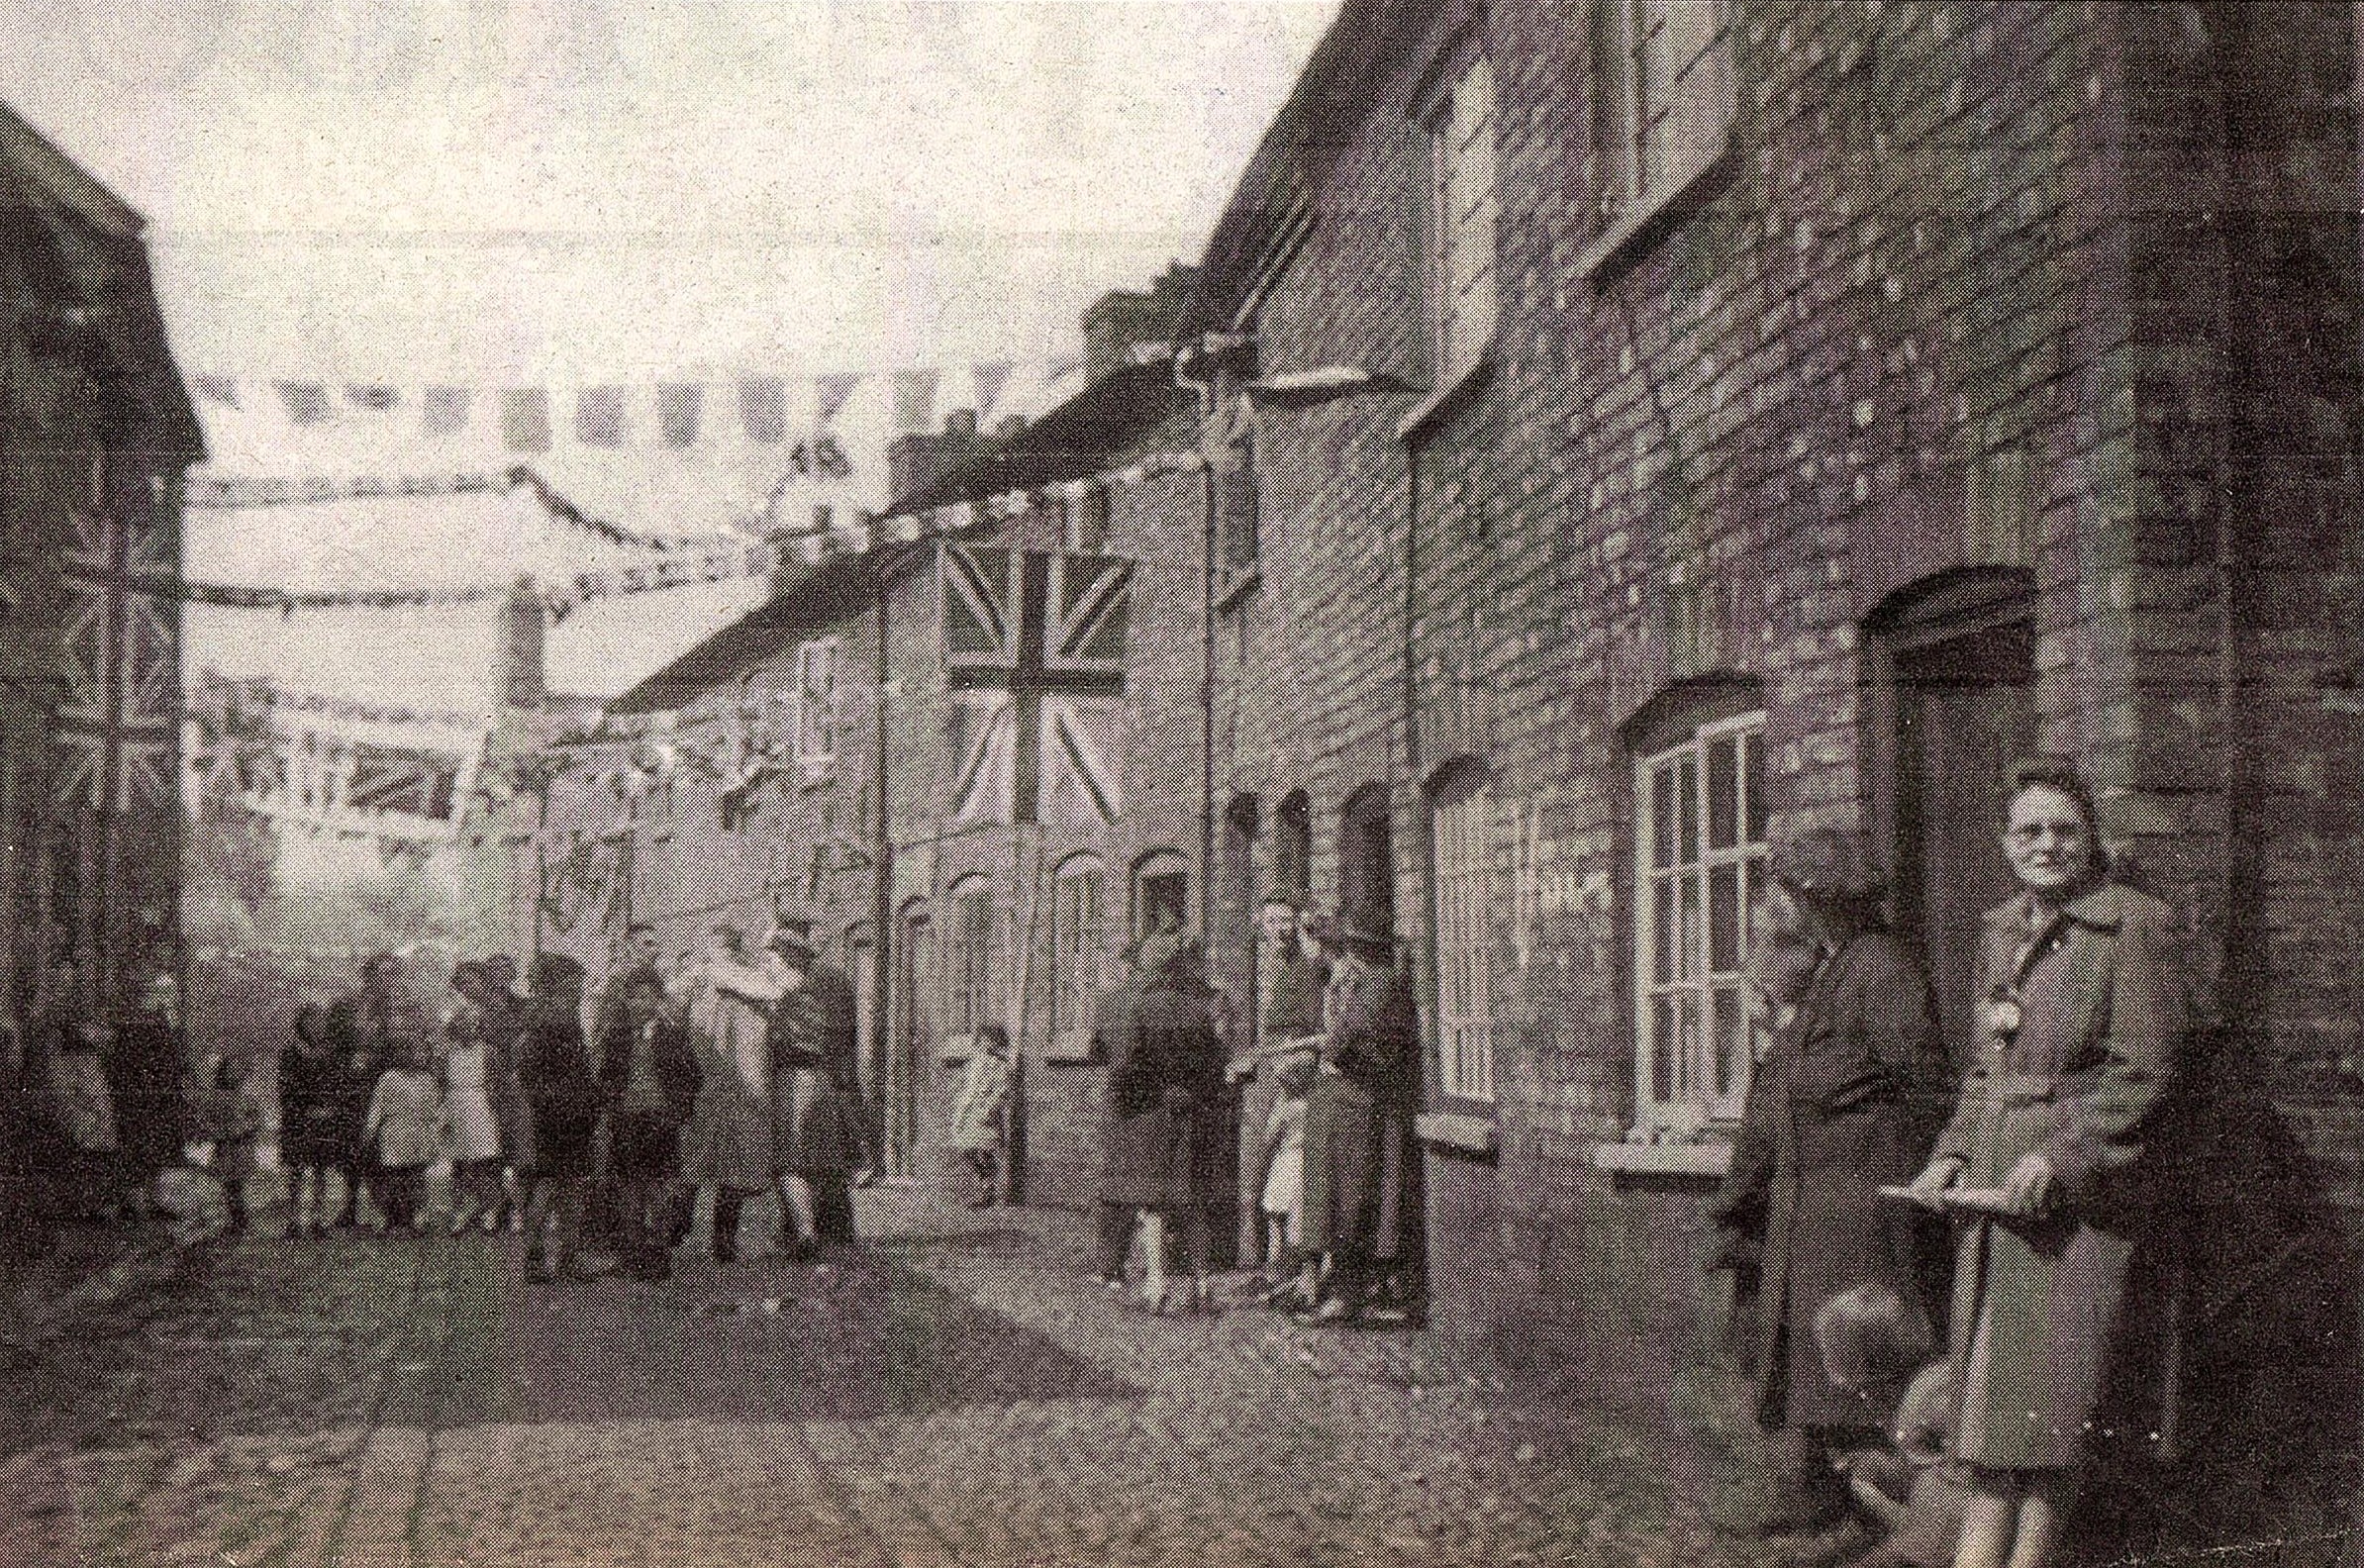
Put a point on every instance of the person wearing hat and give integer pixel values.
(1849, 1097)
(1368, 1052)
(817, 1142)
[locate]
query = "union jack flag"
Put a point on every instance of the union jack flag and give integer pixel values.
(117, 734)
(1030, 635)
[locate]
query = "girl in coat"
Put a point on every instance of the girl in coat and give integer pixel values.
(2080, 1041)
(405, 1125)
(308, 1137)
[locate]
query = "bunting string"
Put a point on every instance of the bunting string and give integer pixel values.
(674, 414)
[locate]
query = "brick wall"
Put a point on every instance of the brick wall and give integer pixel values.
(1967, 293)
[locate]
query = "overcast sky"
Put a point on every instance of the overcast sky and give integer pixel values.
(500, 190)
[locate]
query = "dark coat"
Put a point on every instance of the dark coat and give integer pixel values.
(1846, 1100)
(553, 1069)
(1130, 1162)
(360, 1043)
(308, 1109)
(1167, 1091)
(815, 1098)
(146, 1073)
(1293, 1004)
(1362, 1098)
(2042, 1307)
(32, 1159)
(645, 1141)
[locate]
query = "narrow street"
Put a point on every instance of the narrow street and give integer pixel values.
(958, 1391)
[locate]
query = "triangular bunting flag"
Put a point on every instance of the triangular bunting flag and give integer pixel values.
(220, 389)
(599, 416)
(989, 380)
(444, 410)
(830, 394)
(763, 410)
(371, 397)
(307, 402)
(526, 420)
(678, 404)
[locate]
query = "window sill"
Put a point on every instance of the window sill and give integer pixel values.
(1414, 426)
(1622, 241)
(1706, 1161)
(1071, 1048)
(1458, 1132)
(1236, 588)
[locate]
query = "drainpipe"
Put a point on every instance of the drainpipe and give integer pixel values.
(1200, 351)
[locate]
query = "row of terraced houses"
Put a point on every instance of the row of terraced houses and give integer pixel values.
(1599, 438)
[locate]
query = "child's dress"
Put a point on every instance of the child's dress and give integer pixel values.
(468, 1105)
(1284, 1178)
(984, 1096)
(406, 1118)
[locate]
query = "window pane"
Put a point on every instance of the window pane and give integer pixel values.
(1688, 1045)
(1724, 919)
(1752, 772)
(1687, 939)
(1664, 1034)
(1723, 793)
(1687, 802)
(1663, 929)
(1730, 1045)
(1662, 818)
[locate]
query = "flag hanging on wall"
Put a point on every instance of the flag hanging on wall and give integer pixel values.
(120, 661)
(1028, 636)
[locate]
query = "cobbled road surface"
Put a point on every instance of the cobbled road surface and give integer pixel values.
(955, 1391)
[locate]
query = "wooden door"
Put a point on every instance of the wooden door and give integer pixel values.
(1964, 708)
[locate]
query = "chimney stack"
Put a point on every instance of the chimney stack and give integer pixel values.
(520, 678)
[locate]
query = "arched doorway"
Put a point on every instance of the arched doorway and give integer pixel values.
(1953, 702)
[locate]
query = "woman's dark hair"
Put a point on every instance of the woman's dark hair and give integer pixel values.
(312, 1023)
(2059, 774)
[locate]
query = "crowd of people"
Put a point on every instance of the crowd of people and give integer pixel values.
(734, 1072)
(1337, 1185)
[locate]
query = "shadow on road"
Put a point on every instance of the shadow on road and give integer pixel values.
(353, 1334)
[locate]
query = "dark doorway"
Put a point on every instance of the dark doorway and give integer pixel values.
(1960, 659)
(1367, 863)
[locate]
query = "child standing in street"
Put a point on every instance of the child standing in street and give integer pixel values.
(406, 1124)
(980, 1113)
(1283, 1202)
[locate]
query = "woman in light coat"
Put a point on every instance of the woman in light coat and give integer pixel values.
(727, 1145)
(2049, 1163)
